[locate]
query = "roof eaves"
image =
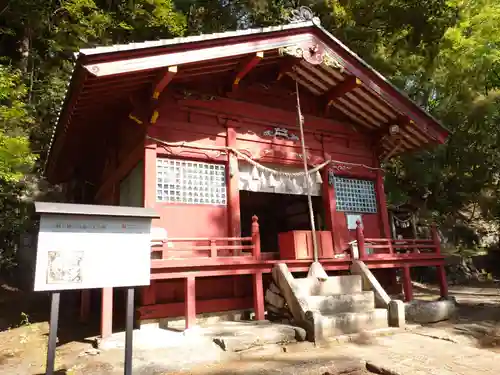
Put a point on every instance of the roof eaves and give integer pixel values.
(62, 108)
(381, 77)
(192, 39)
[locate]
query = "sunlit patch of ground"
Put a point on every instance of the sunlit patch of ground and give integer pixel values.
(23, 346)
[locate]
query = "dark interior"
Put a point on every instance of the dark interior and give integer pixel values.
(277, 213)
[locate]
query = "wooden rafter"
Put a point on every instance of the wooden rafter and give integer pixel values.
(246, 67)
(383, 133)
(348, 85)
(384, 129)
(166, 76)
(159, 85)
(287, 67)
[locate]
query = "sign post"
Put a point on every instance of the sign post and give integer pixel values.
(129, 330)
(77, 246)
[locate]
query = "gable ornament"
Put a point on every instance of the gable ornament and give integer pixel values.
(280, 133)
(312, 52)
(302, 14)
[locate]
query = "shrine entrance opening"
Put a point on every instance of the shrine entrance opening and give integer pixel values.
(277, 213)
(279, 199)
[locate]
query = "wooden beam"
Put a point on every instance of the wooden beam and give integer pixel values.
(384, 131)
(258, 296)
(407, 287)
(190, 301)
(348, 85)
(246, 67)
(163, 80)
(287, 67)
(184, 55)
(107, 313)
(148, 112)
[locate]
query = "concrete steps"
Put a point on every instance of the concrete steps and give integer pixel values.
(342, 303)
(329, 306)
(349, 284)
(326, 326)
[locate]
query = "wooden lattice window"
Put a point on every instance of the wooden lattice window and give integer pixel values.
(355, 195)
(190, 182)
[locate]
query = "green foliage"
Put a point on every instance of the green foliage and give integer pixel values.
(16, 157)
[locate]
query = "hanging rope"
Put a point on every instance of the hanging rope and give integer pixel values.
(403, 221)
(225, 149)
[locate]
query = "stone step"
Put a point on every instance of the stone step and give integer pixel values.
(333, 285)
(338, 285)
(345, 323)
(342, 303)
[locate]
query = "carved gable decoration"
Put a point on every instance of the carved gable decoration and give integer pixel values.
(302, 14)
(313, 53)
(280, 133)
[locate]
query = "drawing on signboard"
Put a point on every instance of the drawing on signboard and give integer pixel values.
(64, 267)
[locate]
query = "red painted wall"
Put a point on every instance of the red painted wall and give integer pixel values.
(204, 123)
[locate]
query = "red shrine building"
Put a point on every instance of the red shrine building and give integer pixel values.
(204, 129)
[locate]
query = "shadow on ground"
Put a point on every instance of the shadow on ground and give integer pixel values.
(309, 363)
(478, 317)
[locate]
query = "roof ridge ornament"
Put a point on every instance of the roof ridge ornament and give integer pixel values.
(314, 53)
(302, 14)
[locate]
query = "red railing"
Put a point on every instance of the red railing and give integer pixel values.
(210, 247)
(392, 246)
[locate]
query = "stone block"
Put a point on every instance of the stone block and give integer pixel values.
(239, 336)
(317, 271)
(326, 326)
(341, 303)
(275, 299)
(430, 311)
(338, 285)
(397, 313)
(274, 288)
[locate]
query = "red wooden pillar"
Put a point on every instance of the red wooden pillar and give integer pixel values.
(233, 192)
(407, 287)
(107, 312)
(330, 203)
(148, 294)
(360, 238)
(382, 202)
(149, 173)
(258, 295)
(190, 301)
(256, 237)
(443, 282)
(84, 306)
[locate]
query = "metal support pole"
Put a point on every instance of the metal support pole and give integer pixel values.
(54, 322)
(129, 332)
(300, 120)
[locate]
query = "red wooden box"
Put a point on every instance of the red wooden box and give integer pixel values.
(298, 244)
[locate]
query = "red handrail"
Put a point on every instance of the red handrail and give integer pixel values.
(213, 247)
(392, 245)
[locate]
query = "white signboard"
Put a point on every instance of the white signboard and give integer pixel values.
(83, 252)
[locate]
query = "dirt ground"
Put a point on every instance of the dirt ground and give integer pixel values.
(24, 330)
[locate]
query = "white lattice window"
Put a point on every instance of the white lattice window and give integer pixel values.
(191, 182)
(354, 195)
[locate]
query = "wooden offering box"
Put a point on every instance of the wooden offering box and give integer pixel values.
(298, 244)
